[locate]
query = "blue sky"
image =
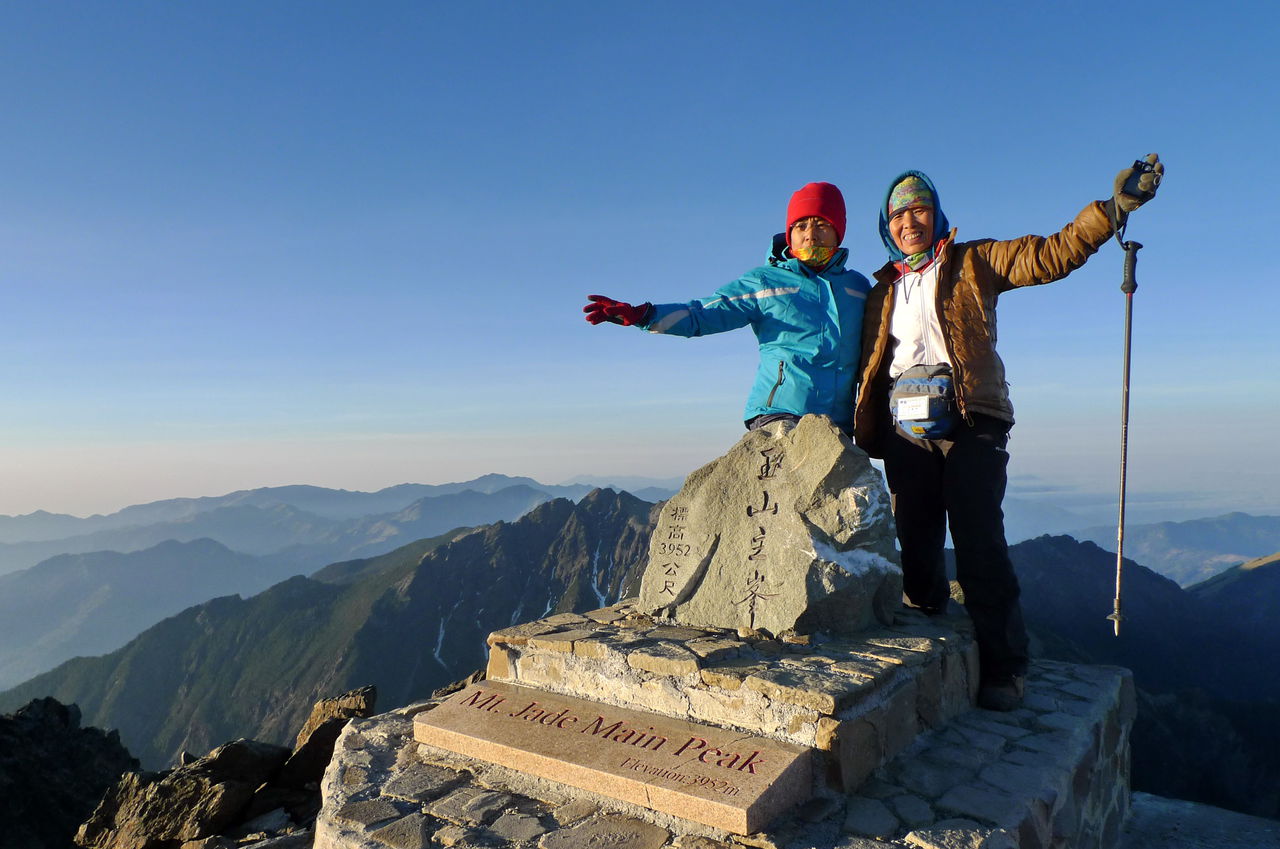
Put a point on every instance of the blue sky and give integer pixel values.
(347, 244)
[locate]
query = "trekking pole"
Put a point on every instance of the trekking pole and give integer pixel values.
(1128, 286)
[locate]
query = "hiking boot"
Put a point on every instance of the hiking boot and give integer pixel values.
(1002, 694)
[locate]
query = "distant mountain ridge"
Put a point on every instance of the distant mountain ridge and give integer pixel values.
(114, 584)
(76, 604)
(644, 488)
(312, 526)
(319, 501)
(89, 594)
(1191, 551)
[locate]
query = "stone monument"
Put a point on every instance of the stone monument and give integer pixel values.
(790, 532)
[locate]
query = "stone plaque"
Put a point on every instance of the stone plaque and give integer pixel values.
(711, 775)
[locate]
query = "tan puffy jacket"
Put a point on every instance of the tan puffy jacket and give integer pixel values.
(971, 276)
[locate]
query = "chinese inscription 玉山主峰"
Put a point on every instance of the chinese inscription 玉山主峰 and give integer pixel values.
(756, 587)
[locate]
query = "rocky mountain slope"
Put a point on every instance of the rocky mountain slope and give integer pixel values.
(408, 622)
(1248, 597)
(52, 774)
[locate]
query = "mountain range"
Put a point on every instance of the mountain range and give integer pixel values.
(409, 595)
(1203, 659)
(1173, 638)
(106, 586)
(316, 500)
(407, 621)
(416, 618)
(1245, 597)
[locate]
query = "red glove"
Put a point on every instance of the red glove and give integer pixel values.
(603, 309)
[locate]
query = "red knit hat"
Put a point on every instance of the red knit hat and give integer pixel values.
(821, 199)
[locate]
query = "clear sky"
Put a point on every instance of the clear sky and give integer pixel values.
(248, 243)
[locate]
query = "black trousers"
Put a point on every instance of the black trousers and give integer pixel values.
(960, 480)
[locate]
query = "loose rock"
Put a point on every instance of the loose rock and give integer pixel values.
(202, 799)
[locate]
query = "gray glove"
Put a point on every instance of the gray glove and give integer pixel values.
(1147, 184)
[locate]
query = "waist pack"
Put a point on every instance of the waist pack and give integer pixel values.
(923, 402)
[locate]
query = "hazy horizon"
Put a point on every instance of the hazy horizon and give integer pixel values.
(1024, 493)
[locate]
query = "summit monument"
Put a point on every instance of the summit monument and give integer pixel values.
(788, 533)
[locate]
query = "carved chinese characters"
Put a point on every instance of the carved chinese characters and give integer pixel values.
(757, 585)
(675, 554)
(789, 531)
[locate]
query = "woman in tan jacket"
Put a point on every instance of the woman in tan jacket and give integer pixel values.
(930, 330)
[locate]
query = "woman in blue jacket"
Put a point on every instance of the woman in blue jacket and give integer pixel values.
(804, 306)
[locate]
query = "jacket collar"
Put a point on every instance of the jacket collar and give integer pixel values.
(893, 269)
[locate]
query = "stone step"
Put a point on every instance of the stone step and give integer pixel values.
(859, 700)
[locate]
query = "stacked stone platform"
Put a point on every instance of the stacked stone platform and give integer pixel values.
(908, 761)
(860, 700)
(1041, 777)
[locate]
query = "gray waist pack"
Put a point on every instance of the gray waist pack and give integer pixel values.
(923, 402)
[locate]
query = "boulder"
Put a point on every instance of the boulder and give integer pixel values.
(790, 532)
(314, 746)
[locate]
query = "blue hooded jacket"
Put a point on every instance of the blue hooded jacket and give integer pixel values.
(940, 224)
(808, 324)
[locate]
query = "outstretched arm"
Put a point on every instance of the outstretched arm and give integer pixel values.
(1032, 260)
(732, 306)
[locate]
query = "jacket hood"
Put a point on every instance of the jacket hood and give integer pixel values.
(940, 224)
